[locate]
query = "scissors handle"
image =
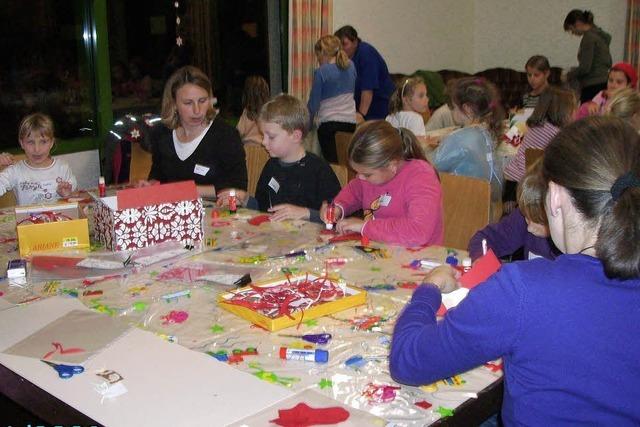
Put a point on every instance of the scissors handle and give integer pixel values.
(67, 371)
(317, 338)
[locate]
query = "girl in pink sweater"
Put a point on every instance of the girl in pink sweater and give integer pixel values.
(396, 187)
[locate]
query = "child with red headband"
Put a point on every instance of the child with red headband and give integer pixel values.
(621, 75)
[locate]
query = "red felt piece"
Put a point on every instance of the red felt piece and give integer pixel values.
(345, 237)
(423, 404)
(482, 269)
(259, 219)
(303, 415)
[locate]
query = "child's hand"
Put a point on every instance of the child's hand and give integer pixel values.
(592, 108)
(6, 159)
(349, 225)
(444, 277)
(223, 197)
(145, 183)
(337, 212)
(64, 189)
(288, 211)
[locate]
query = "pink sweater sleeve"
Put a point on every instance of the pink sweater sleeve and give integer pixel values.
(421, 223)
(350, 197)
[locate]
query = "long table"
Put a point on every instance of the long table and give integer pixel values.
(208, 331)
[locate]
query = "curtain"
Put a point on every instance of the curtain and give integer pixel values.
(308, 21)
(632, 41)
(198, 29)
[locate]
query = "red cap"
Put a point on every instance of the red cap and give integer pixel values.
(628, 71)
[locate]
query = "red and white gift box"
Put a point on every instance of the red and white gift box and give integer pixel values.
(140, 217)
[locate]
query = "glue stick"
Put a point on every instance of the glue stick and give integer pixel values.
(102, 188)
(233, 202)
(319, 356)
(331, 216)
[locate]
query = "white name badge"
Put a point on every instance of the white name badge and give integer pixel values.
(385, 200)
(275, 185)
(200, 170)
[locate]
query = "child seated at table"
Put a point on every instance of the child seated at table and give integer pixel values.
(254, 96)
(538, 70)
(470, 151)
(526, 227)
(293, 183)
(621, 76)
(396, 187)
(406, 106)
(39, 178)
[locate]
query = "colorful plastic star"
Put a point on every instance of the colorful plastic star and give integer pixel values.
(376, 269)
(444, 412)
(215, 329)
(311, 322)
(140, 306)
(325, 383)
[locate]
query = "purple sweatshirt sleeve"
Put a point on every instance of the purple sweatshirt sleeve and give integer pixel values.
(483, 327)
(504, 237)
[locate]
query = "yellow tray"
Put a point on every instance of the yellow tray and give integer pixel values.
(353, 297)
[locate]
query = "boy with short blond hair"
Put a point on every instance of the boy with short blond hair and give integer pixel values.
(293, 183)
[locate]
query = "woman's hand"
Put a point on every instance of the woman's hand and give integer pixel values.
(64, 189)
(6, 159)
(444, 277)
(145, 183)
(288, 211)
(223, 197)
(349, 225)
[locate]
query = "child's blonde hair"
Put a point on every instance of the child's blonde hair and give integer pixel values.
(482, 97)
(254, 95)
(376, 142)
(185, 75)
(329, 46)
(37, 122)
(531, 192)
(626, 105)
(407, 88)
(288, 112)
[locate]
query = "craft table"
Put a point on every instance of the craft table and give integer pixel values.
(197, 330)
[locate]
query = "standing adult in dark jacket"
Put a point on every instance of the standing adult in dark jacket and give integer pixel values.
(594, 57)
(373, 83)
(197, 145)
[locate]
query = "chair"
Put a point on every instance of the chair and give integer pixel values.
(466, 202)
(8, 199)
(256, 157)
(531, 156)
(343, 139)
(140, 165)
(342, 173)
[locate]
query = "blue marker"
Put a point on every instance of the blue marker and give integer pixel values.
(319, 356)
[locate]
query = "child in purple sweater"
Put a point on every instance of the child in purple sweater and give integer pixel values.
(396, 187)
(565, 329)
(525, 227)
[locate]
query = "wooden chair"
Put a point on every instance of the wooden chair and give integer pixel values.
(466, 202)
(343, 139)
(8, 199)
(531, 155)
(342, 173)
(256, 157)
(140, 165)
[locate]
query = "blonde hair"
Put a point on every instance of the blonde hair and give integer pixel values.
(329, 46)
(288, 112)
(407, 88)
(375, 143)
(37, 122)
(531, 192)
(625, 104)
(185, 75)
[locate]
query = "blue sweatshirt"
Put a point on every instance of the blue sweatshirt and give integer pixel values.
(567, 335)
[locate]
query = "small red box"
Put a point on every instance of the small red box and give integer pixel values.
(140, 217)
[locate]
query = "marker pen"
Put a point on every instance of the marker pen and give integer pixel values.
(319, 356)
(331, 216)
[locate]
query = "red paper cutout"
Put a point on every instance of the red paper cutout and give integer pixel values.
(482, 269)
(303, 415)
(259, 219)
(174, 317)
(494, 367)
(424, 404)
(59, 349)
(345, 238)
(44, 262)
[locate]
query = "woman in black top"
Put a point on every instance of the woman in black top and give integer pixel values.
(197, 145)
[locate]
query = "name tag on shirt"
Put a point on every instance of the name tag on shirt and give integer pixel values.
(275, 185)
(534, 256)
(200, 170)
(385, 199)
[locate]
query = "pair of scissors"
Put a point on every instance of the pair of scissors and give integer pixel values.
(314, 338)
(65, 371)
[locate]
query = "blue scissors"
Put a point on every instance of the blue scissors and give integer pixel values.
(65, 371)
(314, 338)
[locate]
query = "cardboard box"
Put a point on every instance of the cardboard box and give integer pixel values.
(140, 217)
(353, 297)
(65, 228)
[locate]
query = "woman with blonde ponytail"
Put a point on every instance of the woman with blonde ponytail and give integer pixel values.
(331, 98)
